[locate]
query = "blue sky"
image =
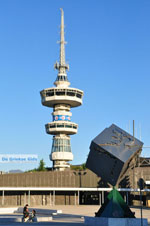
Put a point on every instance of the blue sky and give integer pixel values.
(108, 51)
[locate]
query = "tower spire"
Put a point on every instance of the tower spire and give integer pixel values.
(62, 40)
(61, 66)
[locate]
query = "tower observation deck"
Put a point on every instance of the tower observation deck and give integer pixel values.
(61, 98)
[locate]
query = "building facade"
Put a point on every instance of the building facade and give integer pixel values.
(69, 187)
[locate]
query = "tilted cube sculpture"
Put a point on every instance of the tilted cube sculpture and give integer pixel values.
(111, 152)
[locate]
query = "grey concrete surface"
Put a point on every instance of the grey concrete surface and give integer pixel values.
(74, 215)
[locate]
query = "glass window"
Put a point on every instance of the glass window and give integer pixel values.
(50, 93)
(61, 149)
(65, 142)
(61, 145)
(52, 126)
(68, 126)
(70, 93)
(60, 93)
(56, 142)
(78, 95)
(61, 141)
(60, 125)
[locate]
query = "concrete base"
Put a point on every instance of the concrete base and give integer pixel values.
(39, 211)
(103, 221)
(10, 210)
(11, 219)
(5, 210)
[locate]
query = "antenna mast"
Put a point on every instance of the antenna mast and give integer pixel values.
(61, 66)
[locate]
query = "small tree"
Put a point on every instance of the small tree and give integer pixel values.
(41, 166)
(83, 166)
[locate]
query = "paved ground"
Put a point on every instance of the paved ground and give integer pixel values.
(73, 215)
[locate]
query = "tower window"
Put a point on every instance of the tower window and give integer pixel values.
(50, 93)
(53, 126)
(60, 93)
(60, 125)
(70, 94)
(78, 95)
(61, 78)
(68, 126)
(61, 145)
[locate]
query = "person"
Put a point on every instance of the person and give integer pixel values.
(33, 217)
(25, 213)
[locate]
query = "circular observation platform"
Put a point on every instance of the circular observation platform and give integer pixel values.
(62, 127)
(55, 95)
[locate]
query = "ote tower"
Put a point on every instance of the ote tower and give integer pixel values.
(61, 98)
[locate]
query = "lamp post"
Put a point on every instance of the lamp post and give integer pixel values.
(141, 184)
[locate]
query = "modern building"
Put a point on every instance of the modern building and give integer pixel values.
(71, 187)
(61, 98)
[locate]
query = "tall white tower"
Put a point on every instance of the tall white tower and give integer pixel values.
(61, 98)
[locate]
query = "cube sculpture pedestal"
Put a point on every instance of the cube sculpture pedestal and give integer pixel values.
(101, 221)
(110, 153)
